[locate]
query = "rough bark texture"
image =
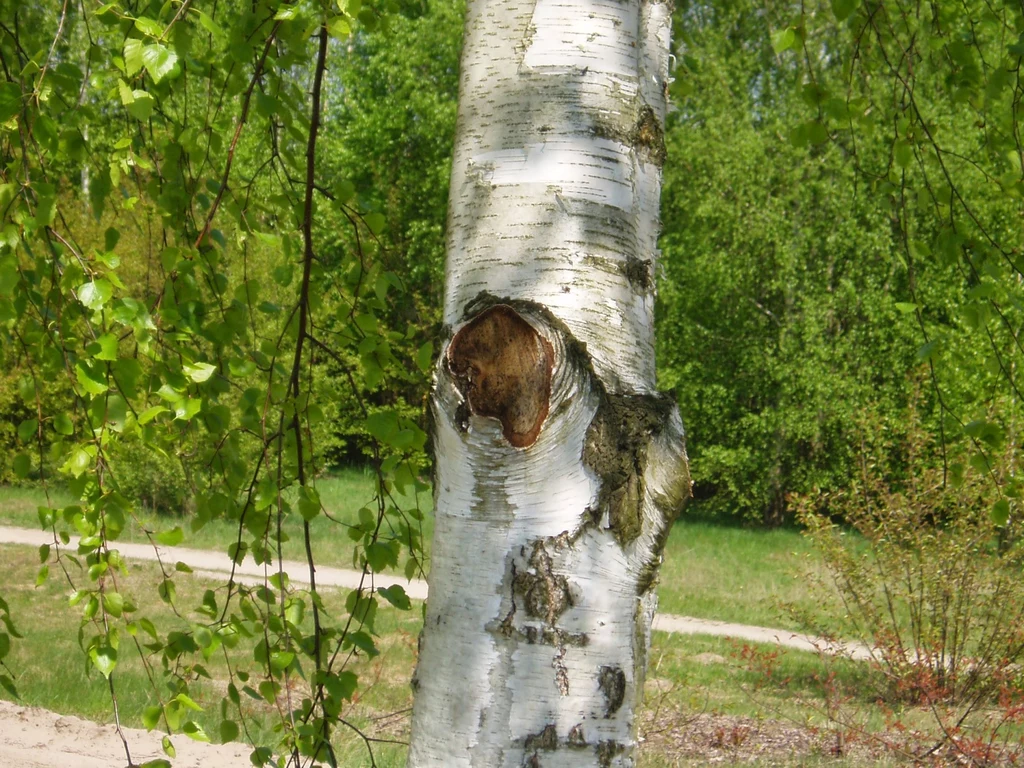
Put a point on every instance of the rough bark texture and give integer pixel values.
(559, 466)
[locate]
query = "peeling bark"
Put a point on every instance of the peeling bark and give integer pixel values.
(560, 468)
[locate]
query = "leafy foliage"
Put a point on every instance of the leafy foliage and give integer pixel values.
(924, 99)
(171, 290)
(778, 315)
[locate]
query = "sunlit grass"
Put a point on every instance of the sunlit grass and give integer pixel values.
(742, 575)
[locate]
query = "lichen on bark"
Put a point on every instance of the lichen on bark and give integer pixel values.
(616, 451)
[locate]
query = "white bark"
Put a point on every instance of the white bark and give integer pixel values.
(559, 467)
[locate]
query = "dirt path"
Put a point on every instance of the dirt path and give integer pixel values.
(35, 738)
(217, 564)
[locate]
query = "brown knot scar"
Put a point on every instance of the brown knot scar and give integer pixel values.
(503, 366)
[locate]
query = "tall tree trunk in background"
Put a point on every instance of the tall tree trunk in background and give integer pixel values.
(559, 466)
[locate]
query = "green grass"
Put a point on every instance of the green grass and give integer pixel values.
(738, 574)
(687, 676)
(51, 670)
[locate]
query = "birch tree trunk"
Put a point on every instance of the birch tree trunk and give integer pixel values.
(560, 468)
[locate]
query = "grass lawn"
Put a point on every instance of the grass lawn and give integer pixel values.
(707, 700)
(688, 677)
(710, 571)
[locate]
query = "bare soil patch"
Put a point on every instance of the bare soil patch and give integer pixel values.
(35, 738)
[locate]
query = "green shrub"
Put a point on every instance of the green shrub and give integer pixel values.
(151, 478)
(930, 584)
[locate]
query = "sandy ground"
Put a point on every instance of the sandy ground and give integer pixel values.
(36, 738)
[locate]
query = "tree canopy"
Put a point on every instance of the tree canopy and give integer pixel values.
(222, 247)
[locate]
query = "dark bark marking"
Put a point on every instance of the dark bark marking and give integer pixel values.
(503, 367)
(607, 751)
(648, 137)
(553, 637)
(576, 738)
(561, 673)
(638, 273)
(612, 682)
(545, 594)
(546, 739)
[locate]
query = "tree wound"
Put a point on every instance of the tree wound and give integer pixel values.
(503, 368)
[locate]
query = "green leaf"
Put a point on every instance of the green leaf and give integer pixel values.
(63, 425)
(927, 351)
(8, 685)
(783, 39)
(817, 133)
(228, 731)
(283, 275)
(903, 153)
(199, 372)
(375, 221)
(395, 594)
(28, 430)
(79, 462)
(380, 556)
(309, 503)
(5, 644)
(142, 107)
(159, 61)
(382, 425)
(168, 747)
(95, 294)
(188, 702)
(207, 23)
(1001, 513)
(133, 57)
(171, 538)
(281, 660)
(339, 27)
(104, 658)
(187, 408)
(342, 685)
(424, 356)
(843, 9)
(151, 717)
(22, 465)
(104, 348)
(113, 603)
(10, 101)
(27, 388)
(167, 591)
(151, 413)
(149, 27)
(90, 381)
(905, 308)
